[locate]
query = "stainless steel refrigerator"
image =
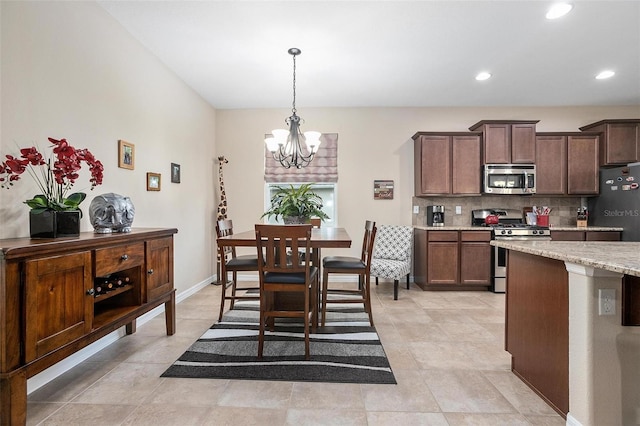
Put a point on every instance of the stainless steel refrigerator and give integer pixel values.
(619, 201)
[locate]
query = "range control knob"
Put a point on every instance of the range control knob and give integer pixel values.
(509, 231)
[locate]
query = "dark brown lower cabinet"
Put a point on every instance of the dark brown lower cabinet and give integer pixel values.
(631, 300)
(585, 235)
(452, 259)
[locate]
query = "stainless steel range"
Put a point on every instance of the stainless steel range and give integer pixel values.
(510, 226)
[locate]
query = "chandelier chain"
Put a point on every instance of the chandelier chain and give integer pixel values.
(294, 110)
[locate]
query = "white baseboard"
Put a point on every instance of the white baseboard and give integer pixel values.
(71, 361)
(571, 421)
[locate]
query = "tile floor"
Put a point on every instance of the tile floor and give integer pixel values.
(445, 349)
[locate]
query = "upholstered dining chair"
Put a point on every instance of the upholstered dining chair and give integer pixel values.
(351, 265)
(230, 262)
(282, 270)
(392, 254)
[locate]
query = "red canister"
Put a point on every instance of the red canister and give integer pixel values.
(491, 219)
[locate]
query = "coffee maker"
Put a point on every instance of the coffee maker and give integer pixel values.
(435, 215)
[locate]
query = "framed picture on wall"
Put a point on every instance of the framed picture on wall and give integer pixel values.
(153, 181)
(383, 190)
(126, 154)
(175, 173)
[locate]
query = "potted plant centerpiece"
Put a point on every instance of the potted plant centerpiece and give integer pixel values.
(296, 205)
(54, 212)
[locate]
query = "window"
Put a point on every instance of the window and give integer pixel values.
(327, 191)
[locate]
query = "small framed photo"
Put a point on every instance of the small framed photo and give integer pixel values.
(126, 154)
(175, 173)
(153, 181)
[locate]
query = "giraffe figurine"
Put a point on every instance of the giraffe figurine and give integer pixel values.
(222, 206)
(222, 211)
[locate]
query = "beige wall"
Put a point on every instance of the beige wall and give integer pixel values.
(374, 143)
(70, 70)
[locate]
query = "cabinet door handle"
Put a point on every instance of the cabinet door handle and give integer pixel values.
(124, 257)
(150, 271)
(91, 292)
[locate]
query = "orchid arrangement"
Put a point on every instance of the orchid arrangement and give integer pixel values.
(54, 175)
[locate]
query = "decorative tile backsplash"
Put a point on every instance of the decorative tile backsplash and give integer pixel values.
(563, 210)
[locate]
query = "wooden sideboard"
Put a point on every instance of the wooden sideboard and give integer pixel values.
(49, 308)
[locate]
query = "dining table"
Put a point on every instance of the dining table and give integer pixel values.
(320, 238)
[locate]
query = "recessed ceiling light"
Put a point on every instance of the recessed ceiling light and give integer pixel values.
(483, 76)
(605, 74)
(558, 10)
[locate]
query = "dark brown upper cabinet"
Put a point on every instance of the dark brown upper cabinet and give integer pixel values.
(447, 163)
(567, 163)
(619, 140)
(507, 141)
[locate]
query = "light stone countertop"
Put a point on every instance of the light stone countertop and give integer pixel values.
(585, 228)
(452, 228)
(615, 256)
(486, 228)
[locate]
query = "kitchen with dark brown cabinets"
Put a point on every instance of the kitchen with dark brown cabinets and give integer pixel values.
(448, 173)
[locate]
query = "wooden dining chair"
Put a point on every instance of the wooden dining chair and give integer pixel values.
(230, 262)
(282, 270)
(351, 265)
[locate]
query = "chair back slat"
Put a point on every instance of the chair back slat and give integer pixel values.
(368, 242)
(224, 228)
(281, 244)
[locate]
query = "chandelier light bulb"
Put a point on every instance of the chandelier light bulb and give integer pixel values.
(280, 135)
(272, 144)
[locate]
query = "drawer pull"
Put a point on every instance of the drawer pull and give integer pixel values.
(91, 292)
(124, 257)
(150, 271)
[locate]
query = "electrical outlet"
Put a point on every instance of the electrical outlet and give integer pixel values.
(606, 301)
(416, 209)
(458, 209)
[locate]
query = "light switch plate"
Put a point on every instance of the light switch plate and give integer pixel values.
(416, 209)
(458, 209)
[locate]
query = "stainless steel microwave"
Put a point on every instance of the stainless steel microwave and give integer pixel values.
(510, 179)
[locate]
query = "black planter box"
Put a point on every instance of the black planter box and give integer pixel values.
(54, 224)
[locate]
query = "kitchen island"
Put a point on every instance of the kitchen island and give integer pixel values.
(583, 364)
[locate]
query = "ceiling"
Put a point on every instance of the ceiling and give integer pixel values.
(393, 53)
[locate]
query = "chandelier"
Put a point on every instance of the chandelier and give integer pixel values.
(287, 145)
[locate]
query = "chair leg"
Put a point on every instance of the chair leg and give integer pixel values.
(261, 326)
(395, 289)
(306, 324)
(376, 280)
(407, 281)
(367, 298)
(325, 289)
(223, 284)
(233, 289)
(314, 303)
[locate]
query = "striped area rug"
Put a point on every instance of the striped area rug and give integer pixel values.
(346, 350)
